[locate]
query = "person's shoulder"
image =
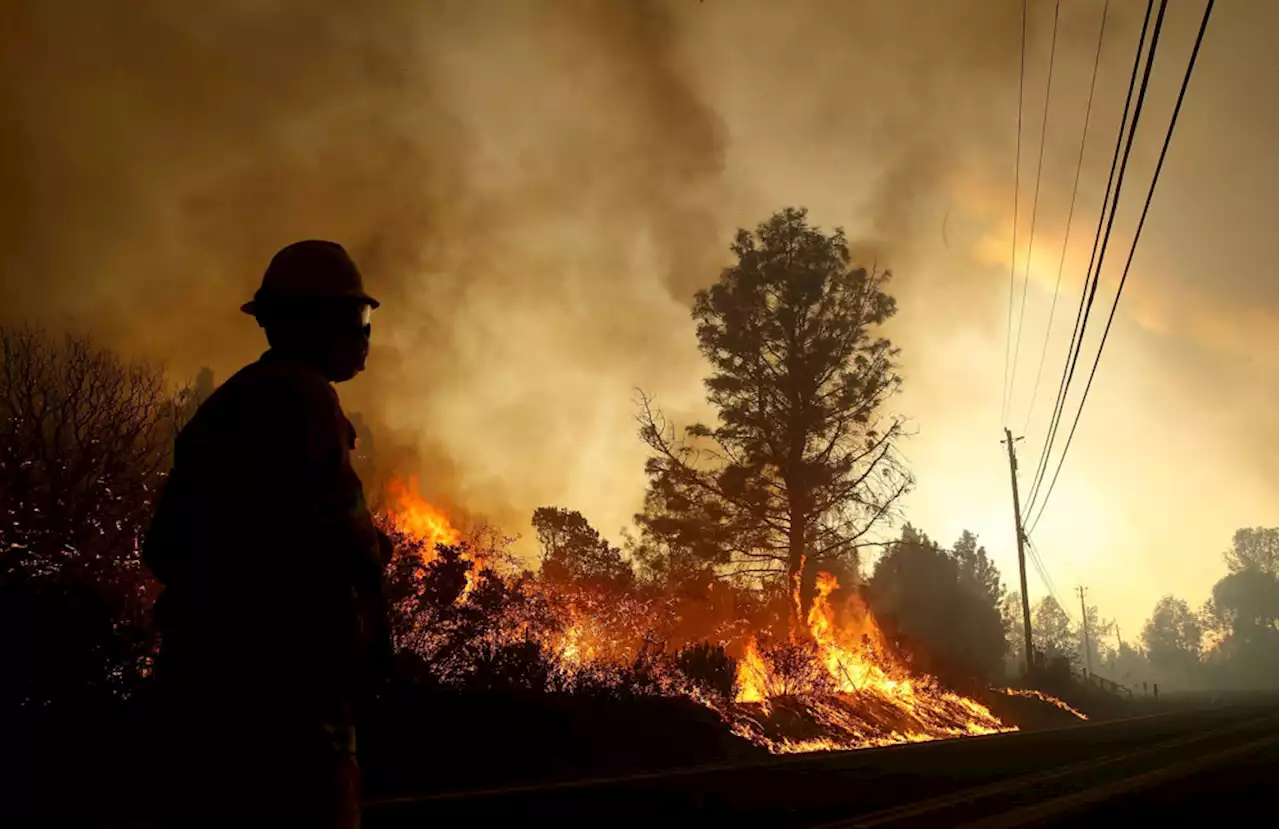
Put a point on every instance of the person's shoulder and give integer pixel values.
(281, 382)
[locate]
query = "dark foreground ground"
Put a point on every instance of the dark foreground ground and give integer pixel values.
(473, 759)
(1213, 758)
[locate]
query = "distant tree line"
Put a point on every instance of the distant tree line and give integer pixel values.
(1229, 642)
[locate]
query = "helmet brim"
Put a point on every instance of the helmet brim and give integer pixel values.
(254, 306)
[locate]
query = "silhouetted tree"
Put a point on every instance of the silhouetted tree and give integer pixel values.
(1052, 632)
(1241, 617)
(697, 604)
(574, 553)
(708, 669)
(1015, 641)
(82, 447)
(1255, 549)
(942, 607)
(1246, 600)
(84, 439)
(661, 563)
(1098, 647)
(978, 572)
(1171, 638)
(200, 390)
(185, 403)
(801, 466)
(1128, 665)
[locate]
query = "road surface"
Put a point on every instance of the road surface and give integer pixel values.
(1172, 766)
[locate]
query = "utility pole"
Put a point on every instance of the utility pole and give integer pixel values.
(1084, 621)
(1118, 642)
(1022, 559)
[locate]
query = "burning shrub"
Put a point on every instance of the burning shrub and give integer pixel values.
(469, 628)
(646, 675)
(709, 670)
(795, 668)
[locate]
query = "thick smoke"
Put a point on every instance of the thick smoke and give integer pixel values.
(528, 186)
(535, 190)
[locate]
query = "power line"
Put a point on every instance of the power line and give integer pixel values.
(1035, 201)
(1038, 560)
(1043, 569)
(1087, 291)
(1155, 178)
(1048, 582)
(1084, 624)
(1044, 576)
(1083, 307)
(1013, 255)
(1075, 190)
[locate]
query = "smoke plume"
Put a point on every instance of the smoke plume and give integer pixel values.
(536, 189)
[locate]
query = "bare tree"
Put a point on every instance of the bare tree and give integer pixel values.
(84, 439)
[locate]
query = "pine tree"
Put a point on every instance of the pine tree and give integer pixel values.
(801, 466)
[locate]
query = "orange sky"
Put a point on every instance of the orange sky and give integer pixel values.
(536, 189)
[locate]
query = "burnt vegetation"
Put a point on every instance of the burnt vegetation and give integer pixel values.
(764, 572)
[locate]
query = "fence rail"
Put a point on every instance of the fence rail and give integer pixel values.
(1105, 684)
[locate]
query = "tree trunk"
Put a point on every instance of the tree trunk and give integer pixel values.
(795, 573)
(797, 552)
(798, 514)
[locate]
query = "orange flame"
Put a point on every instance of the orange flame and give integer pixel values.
(576, 645)
(752, 675)
(1032, 693)
(415, 516)
(859, 662)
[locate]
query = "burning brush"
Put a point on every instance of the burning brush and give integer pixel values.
(836, 685)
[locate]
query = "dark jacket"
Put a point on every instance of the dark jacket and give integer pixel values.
(270, 561)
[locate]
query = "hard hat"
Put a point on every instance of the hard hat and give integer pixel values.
(312, 269)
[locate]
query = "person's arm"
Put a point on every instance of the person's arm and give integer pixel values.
(382, 646)
(331, 500)
(345, 518)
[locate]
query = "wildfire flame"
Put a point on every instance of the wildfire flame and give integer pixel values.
(853, 666)
(853, 691)
(416, 517)
(1032, 693)
(863, 673)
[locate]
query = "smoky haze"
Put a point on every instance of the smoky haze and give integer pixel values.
(535, 190)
